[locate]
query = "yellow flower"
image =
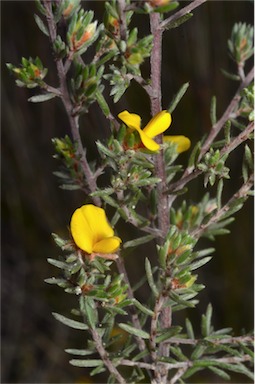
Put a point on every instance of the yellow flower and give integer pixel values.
(157, 125)
(92, 233)
(182, 142)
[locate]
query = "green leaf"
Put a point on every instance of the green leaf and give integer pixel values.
(70, 323)
(105, 150)
(168, 333)
(191, 371)
(238, 368)
(177, 299)
(86, 363)
(177, 98)
(194, 154)
(205, 252)
(141, 355)
(227, 127)
(178, 353)
(181, 20)
(103, 104)
(213, 111)
(199, 263)
(80, 352)
(198, 352)
(219, 193)
(138, 241)
(220, 373)
(90, 311)
(134, 331)
(70, 187)
(189, 328)
(150, 277)
(142, 308)
(41, 98)
(59, 241)
(41, 25)
(248, 157)
(53, 280)
(231, 76)
(57, 263)
(110, 201)
(206, 321)
(97, 370)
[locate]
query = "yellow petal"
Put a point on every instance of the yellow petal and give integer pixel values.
(158, 124)
(183, 142)
(97, 221)
(148, 142)
(88, 226)
(108, 245)
(130, 119)
(81, 231)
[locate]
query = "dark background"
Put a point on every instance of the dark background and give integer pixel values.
(33, 206)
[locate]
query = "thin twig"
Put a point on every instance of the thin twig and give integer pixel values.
(233, 144)
(123, 24)
(104, 356)
(73, 120)
(154, 325)
(184, 364)
(164, 24)
(178, 374)
(191, 173)
(216, 128)
(155, 98)
(132, 220)
(225, 340)
(51, 89)
(242, 192)
(162, 199)
(132, 311)
(243, 136)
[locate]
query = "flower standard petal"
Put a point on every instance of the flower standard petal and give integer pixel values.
(89, 226)
(132, 120)
(99, 226)
(183, 142)
(81, 231)
(158, 124)
(108, 245)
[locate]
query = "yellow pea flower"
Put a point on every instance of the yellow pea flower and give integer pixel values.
(157, 125)
(92, 233)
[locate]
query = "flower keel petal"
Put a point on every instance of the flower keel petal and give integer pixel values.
(109, 245)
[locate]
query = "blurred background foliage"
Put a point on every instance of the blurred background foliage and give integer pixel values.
(33, 206)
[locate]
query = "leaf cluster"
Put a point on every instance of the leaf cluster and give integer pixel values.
(30, 74)
(213, 166)
(241, 42)
(85, 84)
(70, 173)
(131, 176)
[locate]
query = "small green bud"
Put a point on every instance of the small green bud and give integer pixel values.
(121, 133)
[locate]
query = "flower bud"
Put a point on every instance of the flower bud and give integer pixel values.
(159, 3)
(69, 7)
(135, 59)
(86, 36)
